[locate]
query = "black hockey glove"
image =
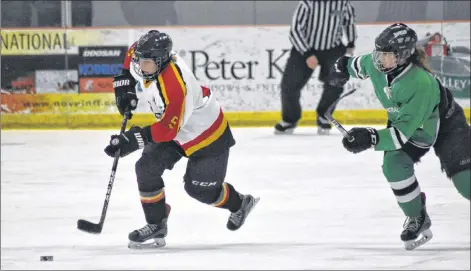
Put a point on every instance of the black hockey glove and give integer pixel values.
(339, 73)
(365, 138)
(125, 92)
(132, 140)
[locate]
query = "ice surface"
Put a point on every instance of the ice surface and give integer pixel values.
(321, 208)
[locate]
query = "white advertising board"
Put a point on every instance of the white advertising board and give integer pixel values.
(56, 81)
(243, 65)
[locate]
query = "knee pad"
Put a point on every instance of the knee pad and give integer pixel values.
(462, 181)
(149, 175)
(205, 192)
(397, 166)
(453, 150)
(151, 189)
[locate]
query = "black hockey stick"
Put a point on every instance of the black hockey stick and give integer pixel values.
(94, 228)
(328, 116)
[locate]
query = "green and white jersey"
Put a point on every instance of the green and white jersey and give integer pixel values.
(411, 99)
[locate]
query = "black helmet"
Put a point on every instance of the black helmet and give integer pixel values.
(156, 46)
(399, 40)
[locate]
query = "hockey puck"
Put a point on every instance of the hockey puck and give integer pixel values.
(46, 258)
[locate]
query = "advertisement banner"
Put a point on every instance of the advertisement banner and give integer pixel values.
(103, 52)
(96, 84)
(242, 65)
(99, 70)
(58, 103)
(56, 81)
(98, 66)
(46, 41)
(25, 51)
(453, 73)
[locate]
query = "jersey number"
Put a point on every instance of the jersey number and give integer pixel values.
(173, 122)
(206, 93)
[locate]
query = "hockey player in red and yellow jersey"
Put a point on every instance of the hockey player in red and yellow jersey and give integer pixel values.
(190, 123)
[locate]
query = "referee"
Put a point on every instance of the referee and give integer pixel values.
(316, 35)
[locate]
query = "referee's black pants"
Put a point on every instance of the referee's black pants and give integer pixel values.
(295, 77)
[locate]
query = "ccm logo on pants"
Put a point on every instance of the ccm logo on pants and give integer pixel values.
(203, 183)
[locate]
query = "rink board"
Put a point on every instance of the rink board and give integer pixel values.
(243, 73)
(236, 119)
(99, 111)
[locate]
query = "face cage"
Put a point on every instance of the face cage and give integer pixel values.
(378, 55)
(146, 76)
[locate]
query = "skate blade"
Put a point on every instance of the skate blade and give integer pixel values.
(285, 132)
(323, 132)
(155, 243)
(255, 201)
(424, 237)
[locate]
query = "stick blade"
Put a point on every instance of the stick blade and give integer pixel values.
(89, 227)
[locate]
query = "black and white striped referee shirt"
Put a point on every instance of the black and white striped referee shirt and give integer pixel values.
(318, 25)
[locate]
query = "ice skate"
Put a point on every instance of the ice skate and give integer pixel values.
(323, 131)
(151, 235)
(284, 128)
(237, 219)
(323, 126)
(417, 229)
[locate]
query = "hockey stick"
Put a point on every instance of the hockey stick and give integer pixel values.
(87, 226)
(328, 116)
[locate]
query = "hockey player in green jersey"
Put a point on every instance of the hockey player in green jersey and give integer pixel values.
(421, 114)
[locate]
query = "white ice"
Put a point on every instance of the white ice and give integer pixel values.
(320, 208)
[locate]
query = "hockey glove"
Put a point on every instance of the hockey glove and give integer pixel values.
(365, 138)
(133, 139)
(339, 73)
(125, 92)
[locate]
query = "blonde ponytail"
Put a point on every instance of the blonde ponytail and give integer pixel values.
(173, 57)
(420, 58)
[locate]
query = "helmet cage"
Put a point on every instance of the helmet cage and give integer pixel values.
(147, 76)
(378, 61)
(400, 59)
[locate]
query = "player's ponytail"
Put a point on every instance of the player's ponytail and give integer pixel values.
(419, 58)
(173, 57)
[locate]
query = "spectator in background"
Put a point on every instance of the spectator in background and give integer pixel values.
(316, 36)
